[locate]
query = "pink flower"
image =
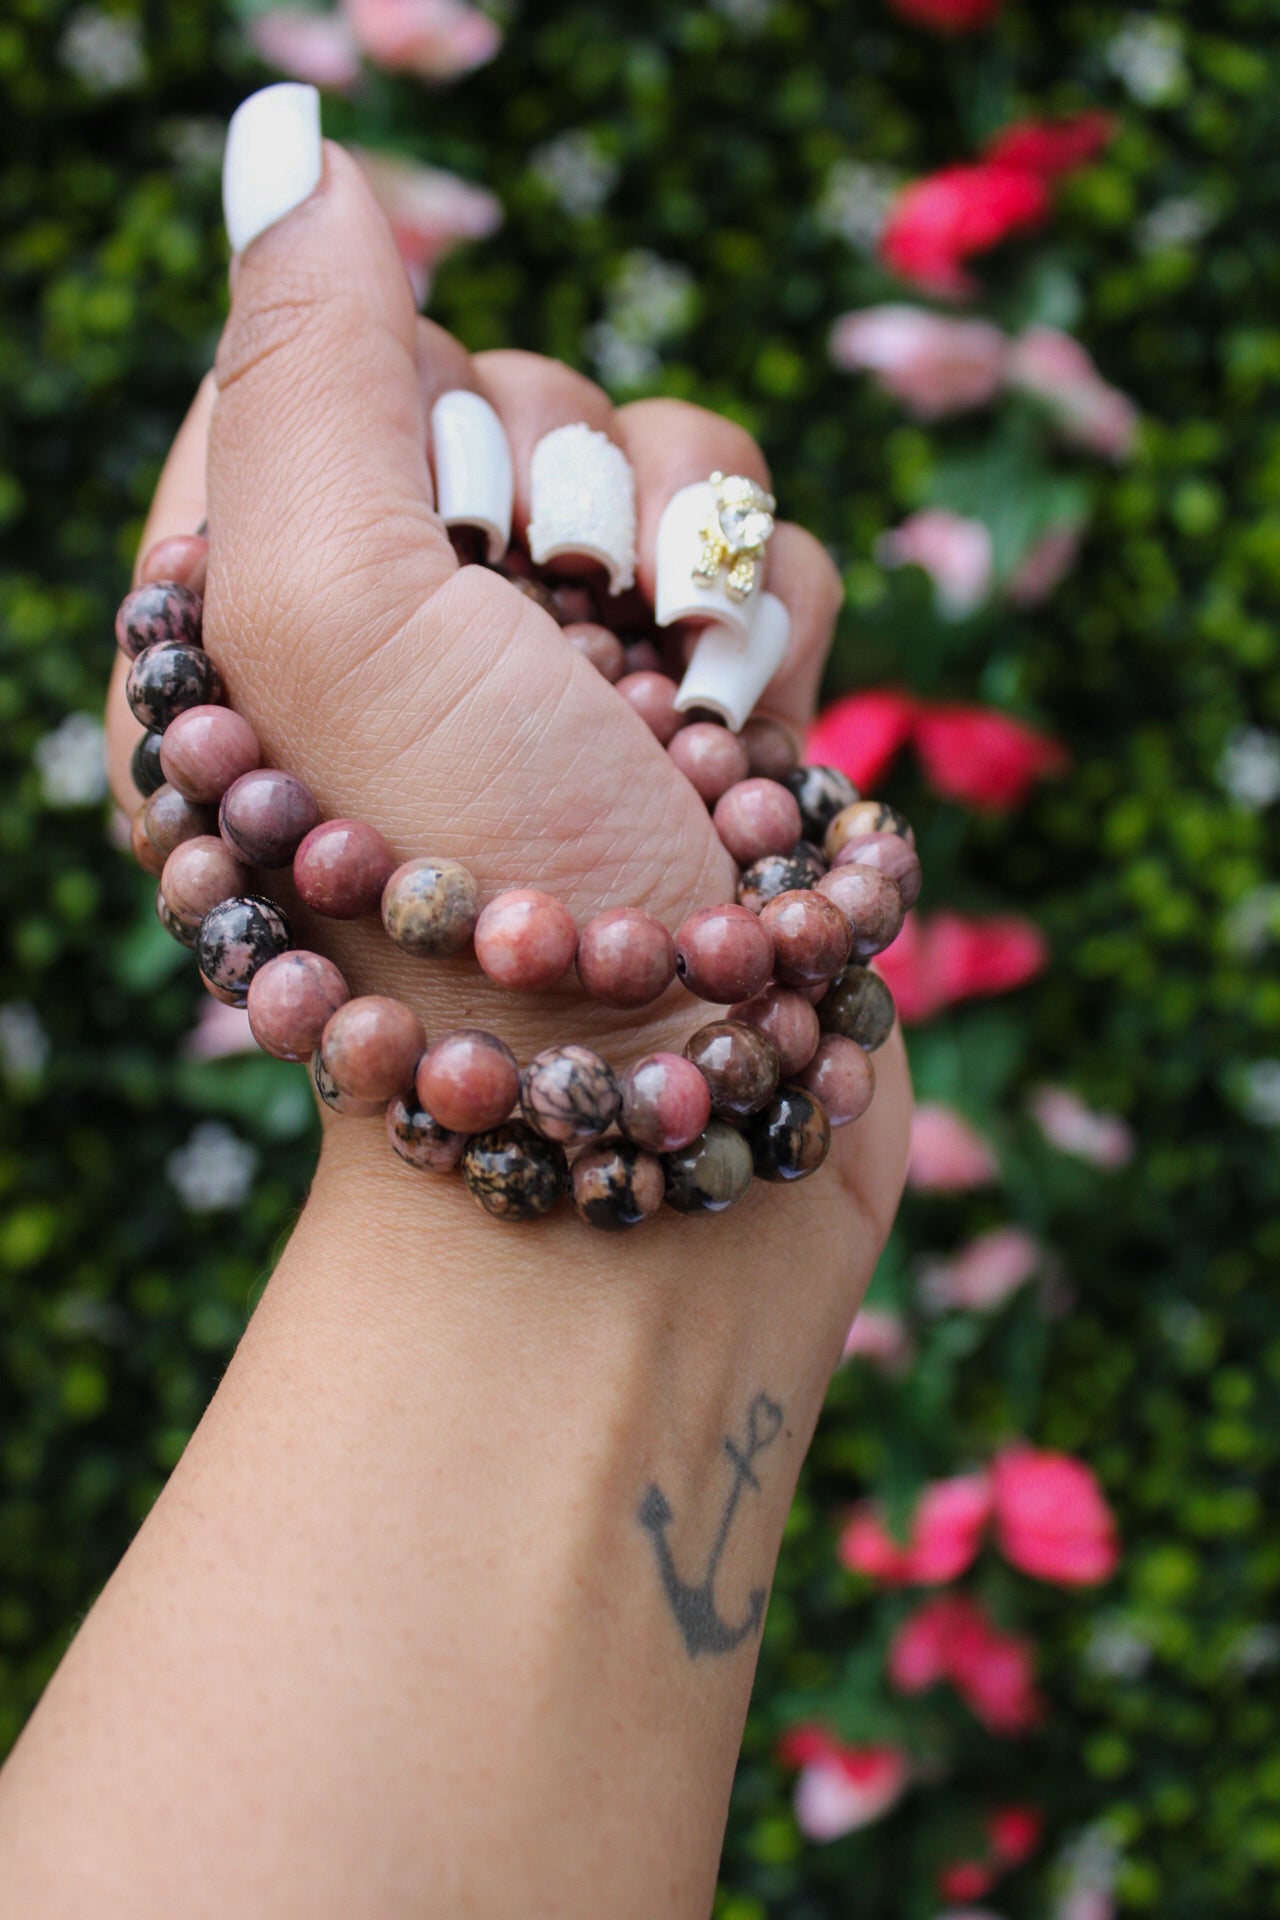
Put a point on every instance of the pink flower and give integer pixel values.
(840, 1787)
(219, 1031)
(862, 733)
(882, 1338)
(952, 1639)
(942, 1540)
(947, 1155)
(1015, 1833)
(1056, 370)
(955, 551)
(319, 48)
(1045, 565)
(435, 39)
(1103, 1139)
(937, 223)
(984, 1274)
(948, 16)
(983, 757)
(1051, 1518)
(430, 212)
(1051, 147)
(934, 365)
(966, 1880)
(935, 963)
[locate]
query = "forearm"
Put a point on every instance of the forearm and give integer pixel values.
(398, 1591)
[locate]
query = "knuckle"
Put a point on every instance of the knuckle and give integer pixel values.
(682, 423)
(279, 327)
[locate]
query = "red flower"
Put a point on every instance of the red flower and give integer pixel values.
(937, 223)
(1051, 147)
(966, 1880)
(952, 1639)
(1015, 1833)
(1051, 1518)
(934, 963)
(840, 1788)
(943, 1539)
(948, 16)
(982, 757)
(862, 733)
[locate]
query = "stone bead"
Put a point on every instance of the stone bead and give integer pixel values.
(419, 1139)
(180, 557)
(162, 823)
(534, 590)
(526, 940)
(371, 1046)
(771, 751)
(779, 873)
(469, 1080)
(575, 605)
(513, 1172)
(863, 818)
(788, 1020)
(236, 939)
(810, 937)
(822, 793)
(144, 765)
(711, 759)
(757, 817)
(653, 696)
(266, 815)
(617, 1186)
(870, 903)
(738, 1063)
(626, 958)
(644, 657)
(842, 1076)
(341, 867)
(176, 929)
(335, 1099)
(711, 1173)
(723, 954)
(666, 1102)
(858, 1005)
(570, 1094)
(291, 1001)
(160, 610)
(198, 876)
(603, 649)
(167, 679)
(791, 1138)
(887, 853)
(430, 907)
(205, 749)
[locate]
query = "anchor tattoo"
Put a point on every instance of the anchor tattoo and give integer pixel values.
(695, 1607)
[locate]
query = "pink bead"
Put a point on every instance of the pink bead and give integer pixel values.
(198, 876)
(786, 1018)
(842, 1076)
(771, 751)
(666, 1102)
(603, 649)
(626, 958)
(205, 749)
(266, 816)
(525, 940)
(871, 904)
(757, 817)
(183, 557)
(711, 758)
(341, 868)
(644, 657)
(724, 954)
(889, 853)
(653, 695)
(371, 1046)
(468, 1080)
(291, 1001)
(810, 937)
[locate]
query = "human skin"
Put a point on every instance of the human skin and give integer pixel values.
(394, 1641)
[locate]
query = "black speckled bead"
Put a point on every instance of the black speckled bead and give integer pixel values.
(865, 817)
(430, 907)
(148, 774)
(333, 1096)
(167, 679)
(237, 938)
(822, 792)
(175, 928)
(791, 1138)
(776, 873)
(859, 1006)
(513, 1173)
(420, 1139)
(162, 610)
(617, 1186)
(711, 1173)
(570, 1094)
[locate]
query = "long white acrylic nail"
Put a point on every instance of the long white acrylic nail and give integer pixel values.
(474, 483)
(678, 593)
(582, 501)
(272, 159)
(729, 670)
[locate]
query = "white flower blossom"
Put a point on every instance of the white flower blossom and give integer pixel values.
(1253, 922)
(196, 142)
(1086, 1871)
(576, 172)
(71, 762)
(1258, 1093)
(25, 1046)
(650, 300)
(855, 202)
(1115, 1651)
(1179, 222)
(214, 1171)
(1249, 767)
(103, 50)
(1147, 57)
(1256, 1650)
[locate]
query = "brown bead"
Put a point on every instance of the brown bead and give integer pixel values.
(180, 557)
(575, 604)
(779, 873)
(791, 1138)
(723, 954)
(603, 649)
(176, 929)
(626, 958)
(162, 823)
(771, 751)
(570, 1094)
(644, 657)
(870, 903)
(757, 817)
(713, 1172)
(155, 611)
(653, 697)
(666, 1102)
(205, 749)
(888, 853)
(822, 793)
(858, 1005)
(291, 1001)
(786, 1018)
(842, 1076)
(738, 1063)
(198, 876)
(266, 815)
(711, 759)
(341, 868)
(525, 940)
(469, 1080)
(810, 938)
(862, 818)
(371, 1046)
(335, 1099)
(430, 907)
(419, 1139)
(617, 1186)
(514, 1173)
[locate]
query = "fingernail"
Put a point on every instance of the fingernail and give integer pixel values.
(582, 501)
(730, 670)
(272, 159)
(683, 589)
(473, 467)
